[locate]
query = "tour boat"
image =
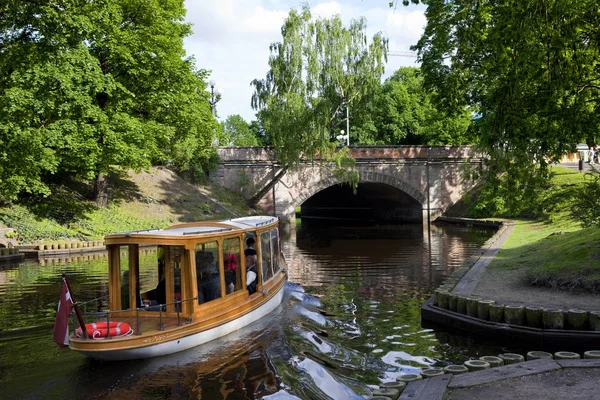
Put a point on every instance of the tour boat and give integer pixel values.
(176, 288)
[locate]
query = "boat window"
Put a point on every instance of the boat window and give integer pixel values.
(207, 271)
(265, 254)
(173, 256)
(231, 263)
(275, 249)
(124, 268)
(160, 277)
(152, 276)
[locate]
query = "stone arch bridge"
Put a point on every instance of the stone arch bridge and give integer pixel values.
(397, 183)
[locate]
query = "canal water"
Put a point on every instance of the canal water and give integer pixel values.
(351, 320)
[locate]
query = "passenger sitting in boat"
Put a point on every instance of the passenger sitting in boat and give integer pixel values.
(157, 295)
(160, 292)
(251, 276)
(230, 262)
(250, 251)
(209, 283)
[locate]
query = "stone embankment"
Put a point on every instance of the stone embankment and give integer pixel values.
(537, 374)
(458, 381)
(455, 305)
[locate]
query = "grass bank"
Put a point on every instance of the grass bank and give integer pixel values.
(553, 248)
(150, 199)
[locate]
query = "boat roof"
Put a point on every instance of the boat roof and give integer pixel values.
(204, 227)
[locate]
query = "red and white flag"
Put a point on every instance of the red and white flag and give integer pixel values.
(61, 325)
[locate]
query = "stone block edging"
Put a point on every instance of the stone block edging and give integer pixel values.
(457, 289)
(436, 388)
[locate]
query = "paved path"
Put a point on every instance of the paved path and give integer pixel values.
(532, 380)
(554, 382)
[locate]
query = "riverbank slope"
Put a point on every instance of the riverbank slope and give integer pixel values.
(149, 199)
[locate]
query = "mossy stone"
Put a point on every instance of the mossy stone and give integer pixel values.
(452, 300)
(472, 304)
(533, 317)
(566, 355)
(387, 392)
(553, 319)
(591, 354)
(456, 369)
(577, 319)
(493, 361)
(536, 355)
(476, 365)
(595, 320)
(483, 309)
(514, 315)
(394, 385)
(409, 378)
(497, 312)
(431, 372)
(461, 304)
(511, 358)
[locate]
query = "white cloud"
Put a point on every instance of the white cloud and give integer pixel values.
(232, 37)
(326, 10)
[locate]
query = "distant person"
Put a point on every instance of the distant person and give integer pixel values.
(250, 250)
(251, 274)
(591, 155)
(230, 262)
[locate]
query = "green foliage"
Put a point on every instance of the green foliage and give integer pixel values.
(89, 86)
(29, 228)
(586, 205)
(236, 132)
(554, 201)
(317, 71)
(531, 71)
(402, 113)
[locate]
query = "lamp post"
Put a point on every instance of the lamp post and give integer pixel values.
(215, 96)
(342, 137)
(345, 137)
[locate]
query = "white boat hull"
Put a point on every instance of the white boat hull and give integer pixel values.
(193, 340)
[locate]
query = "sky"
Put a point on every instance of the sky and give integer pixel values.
(231, 38)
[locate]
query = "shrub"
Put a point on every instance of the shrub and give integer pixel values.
(586, 205)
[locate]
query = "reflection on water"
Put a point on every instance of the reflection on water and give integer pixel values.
(349, 322)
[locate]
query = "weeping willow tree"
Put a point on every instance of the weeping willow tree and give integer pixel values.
(317, 73)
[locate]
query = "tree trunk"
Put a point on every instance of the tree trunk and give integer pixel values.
(100, 190)
(253, 201)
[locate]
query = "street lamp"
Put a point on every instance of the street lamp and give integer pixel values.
(347, 135)
(345, 138)
(215, 96)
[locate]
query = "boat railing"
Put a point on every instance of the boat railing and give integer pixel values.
(142, 320)
(99, 303)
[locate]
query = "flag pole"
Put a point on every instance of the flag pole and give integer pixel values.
(76, 307)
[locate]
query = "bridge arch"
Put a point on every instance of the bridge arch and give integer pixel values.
(372, 177)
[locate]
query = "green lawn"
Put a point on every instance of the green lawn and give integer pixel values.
(555, 249)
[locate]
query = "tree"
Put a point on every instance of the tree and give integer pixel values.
(531, 70)
(86, 87)
(236, 132)
(402, 113)
(318, 70)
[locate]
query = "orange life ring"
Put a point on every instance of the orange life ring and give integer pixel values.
(100, 330)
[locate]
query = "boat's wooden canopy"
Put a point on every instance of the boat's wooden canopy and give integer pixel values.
(202, 228)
